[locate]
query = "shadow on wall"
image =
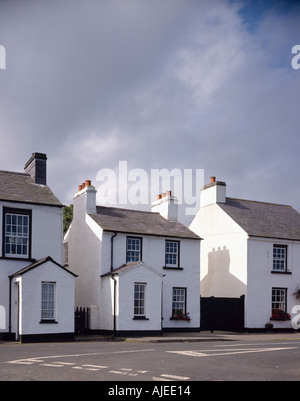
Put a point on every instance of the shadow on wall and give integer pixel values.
(219, 282)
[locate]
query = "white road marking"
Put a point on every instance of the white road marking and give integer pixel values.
(30, 361)
(175, 377)
(52, 365)
(230, 351)
(161, 379)
(96, 366)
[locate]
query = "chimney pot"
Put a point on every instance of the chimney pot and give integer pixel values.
(88, 183)
(169, 193)
(79, 188)
(212, 180)
(83, 185)
(163, 195)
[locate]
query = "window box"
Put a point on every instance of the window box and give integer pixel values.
(181, 316)
(278, 314)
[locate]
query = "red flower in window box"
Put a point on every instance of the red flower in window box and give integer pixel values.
(279, 314)
(181, 316)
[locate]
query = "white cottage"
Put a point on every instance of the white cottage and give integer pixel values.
(36, 291)
(250, 248)
(138, 271)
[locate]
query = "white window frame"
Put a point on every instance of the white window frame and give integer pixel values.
(48, 301)
(279, 258)
(171, 253)
(17, 234)
(139, 307)
(179, 300)
(279, 299)
(133, 249)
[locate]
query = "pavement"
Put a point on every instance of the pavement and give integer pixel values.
(199, 337)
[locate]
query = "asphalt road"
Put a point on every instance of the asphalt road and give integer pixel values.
(132, 361)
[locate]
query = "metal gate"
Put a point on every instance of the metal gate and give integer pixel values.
(225, 314)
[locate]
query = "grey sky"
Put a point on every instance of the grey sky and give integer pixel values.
(161, 84)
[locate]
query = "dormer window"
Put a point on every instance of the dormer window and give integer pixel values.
(16, 239)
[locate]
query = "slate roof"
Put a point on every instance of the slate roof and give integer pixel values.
(139, 222)
(128, 266)
(19, 187)
(38, 263)
(261, 219)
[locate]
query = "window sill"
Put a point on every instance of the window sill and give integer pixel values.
(140, 318)
(281, 272)
(172, 268)
(18, 258)
(51, 321)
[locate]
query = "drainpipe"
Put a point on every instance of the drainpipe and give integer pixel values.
(9, 316)
(114, 305)
(112, 251)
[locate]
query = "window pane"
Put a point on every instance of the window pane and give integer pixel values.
(178, 304)
(16, 234)
(279, 299)
(48, 300)
(279, 257)
(139, 299)
(133, 253)
(171, 256)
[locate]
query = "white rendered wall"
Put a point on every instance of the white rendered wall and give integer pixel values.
(261, 281)
(84, 253)
(223, 253)
(153, 295)
(153, 255)
(46, 240)
(30, 300)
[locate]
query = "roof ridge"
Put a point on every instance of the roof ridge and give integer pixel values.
(265, 203)
(14, 172)
(127, 209)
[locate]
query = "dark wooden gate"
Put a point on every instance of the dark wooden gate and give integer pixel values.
(225, 314)
(81, 320)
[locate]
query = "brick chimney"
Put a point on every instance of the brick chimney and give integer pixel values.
(85, 198)
(214, 192)
(166, 205)
(36, 167)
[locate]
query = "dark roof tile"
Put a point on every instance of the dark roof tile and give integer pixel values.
(19, 187)
(139, 222)
(261, 219)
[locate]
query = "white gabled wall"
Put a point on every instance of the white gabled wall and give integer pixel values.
(84, 249)
(46, 240)
(223, 253)
(30, 290)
